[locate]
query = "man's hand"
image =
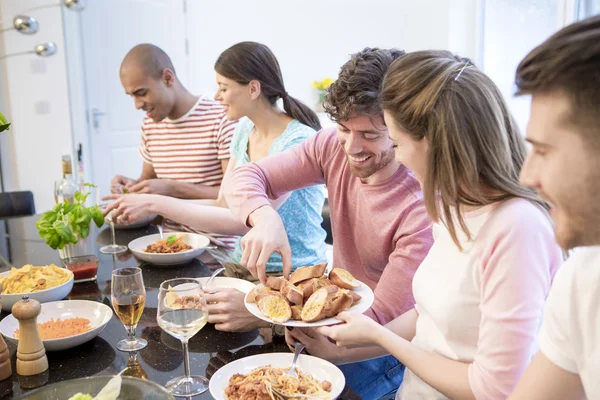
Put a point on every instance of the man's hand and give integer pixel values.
(154, 186)
(316, 344)
(265, 238)
(123, 181)
(226, 309)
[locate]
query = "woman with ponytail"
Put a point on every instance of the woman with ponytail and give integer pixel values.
(250, 85)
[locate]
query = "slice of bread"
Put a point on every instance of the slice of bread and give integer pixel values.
(275, 307)
(297, 312)
(342, 278)
(304, 273)
(340, 301)
(292, 293)
(316, 307)
(275, 282)
(255, 292)
(310, 286)
(355, 296)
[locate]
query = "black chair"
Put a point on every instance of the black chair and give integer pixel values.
(326, 224)
(16, 204)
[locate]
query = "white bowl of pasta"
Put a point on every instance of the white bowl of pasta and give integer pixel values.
(176, 248)
(324, 379)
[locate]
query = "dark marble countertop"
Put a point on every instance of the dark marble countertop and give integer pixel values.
(162, 359)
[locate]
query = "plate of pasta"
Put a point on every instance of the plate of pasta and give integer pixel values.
(250, 378)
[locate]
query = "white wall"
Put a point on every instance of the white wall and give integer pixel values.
(37, 103)
(512, 28)
(313, 38)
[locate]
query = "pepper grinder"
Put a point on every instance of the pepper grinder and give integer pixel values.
(31, 354)
(5, 368)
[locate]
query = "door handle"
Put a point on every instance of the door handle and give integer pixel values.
(96, 114)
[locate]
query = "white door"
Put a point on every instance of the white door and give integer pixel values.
(110, 28)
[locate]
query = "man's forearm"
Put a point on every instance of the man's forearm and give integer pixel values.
(186, 190)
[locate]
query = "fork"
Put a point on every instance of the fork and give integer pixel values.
(292, 372)
(160, 231)
(298, 347)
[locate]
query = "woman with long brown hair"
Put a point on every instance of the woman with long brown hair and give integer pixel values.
(480, 292)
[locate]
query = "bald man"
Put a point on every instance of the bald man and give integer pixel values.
(185, 138)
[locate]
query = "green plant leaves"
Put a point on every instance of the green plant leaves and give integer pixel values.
(4, 124)
(67, 222)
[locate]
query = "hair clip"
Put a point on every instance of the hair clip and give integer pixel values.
(461, 70)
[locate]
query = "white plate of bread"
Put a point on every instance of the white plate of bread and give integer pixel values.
(309, 297)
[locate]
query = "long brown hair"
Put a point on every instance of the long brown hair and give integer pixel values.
(248, 61)
(475, 149)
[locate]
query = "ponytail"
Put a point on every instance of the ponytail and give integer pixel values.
(298, 110)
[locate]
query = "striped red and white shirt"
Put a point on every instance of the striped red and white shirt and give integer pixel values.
(190, 149)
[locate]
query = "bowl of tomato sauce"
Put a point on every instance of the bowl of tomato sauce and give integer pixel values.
(84, 268)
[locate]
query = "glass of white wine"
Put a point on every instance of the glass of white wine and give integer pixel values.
(182, 313)
(128, 300)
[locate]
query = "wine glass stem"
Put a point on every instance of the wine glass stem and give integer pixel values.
(131, 333)
(112, 229)
(186, 360)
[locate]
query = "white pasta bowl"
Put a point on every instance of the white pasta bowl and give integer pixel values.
(43, 296)
(97, 313)
(318, 368)
(198, 243)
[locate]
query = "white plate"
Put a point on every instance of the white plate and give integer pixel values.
(99, 315)
(318, 368)
(229, 283)
(43, 296)
(198, 243)
(363, 305)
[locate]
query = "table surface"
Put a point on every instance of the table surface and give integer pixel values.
(162, 359)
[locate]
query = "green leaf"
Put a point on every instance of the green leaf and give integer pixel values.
(85, 231)
(171, 239)
(81, 197)
(97, 216)
(91, 185)
(64, 232)
(125, 190)
(54, 241)
(4, 124)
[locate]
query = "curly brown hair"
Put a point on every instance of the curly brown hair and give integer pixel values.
(357, 88)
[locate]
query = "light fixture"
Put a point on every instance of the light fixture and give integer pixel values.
(75, 5)
(43, 50)
(24, 24)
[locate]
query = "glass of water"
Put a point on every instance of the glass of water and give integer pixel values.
(182, 313)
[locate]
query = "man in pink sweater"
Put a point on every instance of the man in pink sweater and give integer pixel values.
(381, 231)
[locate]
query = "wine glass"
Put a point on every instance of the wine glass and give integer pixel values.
(182, 313)
(128, 299)
(113, 248)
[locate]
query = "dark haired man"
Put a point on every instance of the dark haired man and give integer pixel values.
(563, 77)
(381, 231)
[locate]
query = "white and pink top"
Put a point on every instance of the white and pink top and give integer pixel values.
(484, 305)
